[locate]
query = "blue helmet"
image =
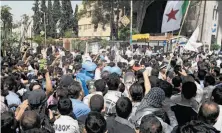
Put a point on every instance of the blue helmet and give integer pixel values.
(89, 66)
(116, 70)
(107, 68)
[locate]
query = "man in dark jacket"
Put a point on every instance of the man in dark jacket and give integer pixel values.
(120, 124)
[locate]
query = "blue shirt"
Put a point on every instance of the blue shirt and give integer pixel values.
(13, 98)
(79, 108)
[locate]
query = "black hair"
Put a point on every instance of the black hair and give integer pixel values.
(217, 71)
(10, 83)
(121, 87)
(123, 107)
(30, 120)
(113, 81)
(100, 85)
(65, 106)
(78, 58)
(167, 88)
(173, 63)
(176, 81)
(8, 122)
(189, 90)
(74, 90)
(62, 93)
(220, 65)
(196, 126)
(150, 124)
(137, 92)
(105, 75)
(209, 112)
(96, 103)
(210, 80)
(111, 64)
(217, 95)
(33, 84)
(95, 123)
(201, 74)
(77, 66)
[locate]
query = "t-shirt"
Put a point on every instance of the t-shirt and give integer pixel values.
(97, 74)
(66, 124)
(184, 113)
(13, 98)
(79, 108)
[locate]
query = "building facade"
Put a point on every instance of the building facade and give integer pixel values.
(86, 28)
(211, 23)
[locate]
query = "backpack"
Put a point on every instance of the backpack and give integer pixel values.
(45, 122)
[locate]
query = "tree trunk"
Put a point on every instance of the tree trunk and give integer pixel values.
(23, 34)
(141, 11)
(117, 21)
(111, 22)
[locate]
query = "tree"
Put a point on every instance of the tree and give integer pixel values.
(215, 47)
(75, 26)
(7, 19)
(38, 39)
(67, 18)
(50, 31)
(124, 33)
(43, 14)
(36, 18)
(26, 23)
(104, 12)
(56, 14)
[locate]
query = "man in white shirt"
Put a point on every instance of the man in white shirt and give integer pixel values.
(66, 122)
(129, 53)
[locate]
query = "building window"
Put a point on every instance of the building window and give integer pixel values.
(215, 13)
(85, 27)
(79, 27)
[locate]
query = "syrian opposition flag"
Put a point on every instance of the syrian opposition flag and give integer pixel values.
(173, 15)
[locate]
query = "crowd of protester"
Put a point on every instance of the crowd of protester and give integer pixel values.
(58, 91)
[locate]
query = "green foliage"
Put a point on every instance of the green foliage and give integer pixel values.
(56, 14)
(43, 11)
(50, 40)
(104, 43)
(56, 11)
(36, 18)
(13, 38)
(124, 33)
(103, 13)
(50, 31)
(68, 34)
(38, 39)
(7, 19)
(78, 44)
(67, 18)
(75, 26)
(215, 47)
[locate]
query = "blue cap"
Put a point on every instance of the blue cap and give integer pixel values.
(107, 68)
(89, 66)
(116, 70)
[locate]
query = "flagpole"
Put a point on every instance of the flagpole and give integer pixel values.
(185, 15)
(131, 21)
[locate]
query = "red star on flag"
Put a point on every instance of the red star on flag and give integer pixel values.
(172, 14)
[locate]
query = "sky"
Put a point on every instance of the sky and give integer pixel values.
(25, 7)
